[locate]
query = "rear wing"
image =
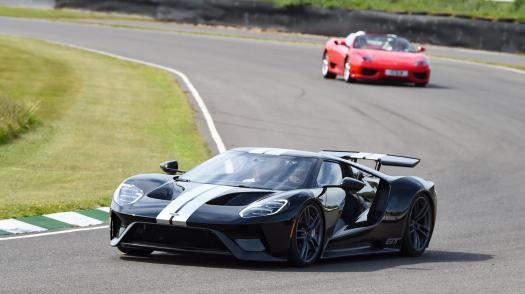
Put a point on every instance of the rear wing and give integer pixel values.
(380, 159)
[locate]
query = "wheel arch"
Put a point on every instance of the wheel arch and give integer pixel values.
(403, 192)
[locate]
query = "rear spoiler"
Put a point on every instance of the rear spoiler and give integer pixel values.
(380, 159)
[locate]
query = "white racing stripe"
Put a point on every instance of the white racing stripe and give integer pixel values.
(166, 214)
(74, 218)
(259, 150)
(17, 227)
(276, 151)
(187, 210)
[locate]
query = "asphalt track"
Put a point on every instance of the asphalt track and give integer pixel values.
(467, 126)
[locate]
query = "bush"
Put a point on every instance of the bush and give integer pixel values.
(15, 118)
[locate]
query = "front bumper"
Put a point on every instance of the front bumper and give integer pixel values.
(260, 242)
(377, 73)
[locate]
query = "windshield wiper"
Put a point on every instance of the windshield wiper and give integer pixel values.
(179, 179)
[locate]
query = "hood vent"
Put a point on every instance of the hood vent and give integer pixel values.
(238, 199)
(167, 191)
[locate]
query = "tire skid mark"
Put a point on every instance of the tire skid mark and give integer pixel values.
(415, 123)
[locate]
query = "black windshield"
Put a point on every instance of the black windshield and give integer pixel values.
(244, 169)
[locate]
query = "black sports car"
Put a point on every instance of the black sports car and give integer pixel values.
(271, 204)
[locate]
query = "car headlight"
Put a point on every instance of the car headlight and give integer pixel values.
(422, 62)
(127, 194)
(263, 208)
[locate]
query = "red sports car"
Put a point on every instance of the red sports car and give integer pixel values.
(365, 56)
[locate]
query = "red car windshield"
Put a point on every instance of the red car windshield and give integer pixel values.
(384, 42)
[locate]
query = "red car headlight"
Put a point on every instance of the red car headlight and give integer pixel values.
(422, 62)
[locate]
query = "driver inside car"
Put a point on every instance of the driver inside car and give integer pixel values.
(261, 170)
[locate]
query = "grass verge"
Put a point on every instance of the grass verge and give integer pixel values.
(509, 10)
(510, 66)
(64, 14)
(101, 120)
(472, 8)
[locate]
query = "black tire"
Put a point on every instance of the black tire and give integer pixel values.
(307, 236)
(134, 252)
(324, 68)
(347, 71)
(419, 227)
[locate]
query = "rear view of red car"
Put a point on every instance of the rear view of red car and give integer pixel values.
(364, 56)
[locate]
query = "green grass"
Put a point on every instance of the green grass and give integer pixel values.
(473, 8)
(100, 120)
(64, 14)
(15, 118)
(514, 66)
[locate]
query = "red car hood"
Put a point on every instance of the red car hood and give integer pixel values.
(390, 58)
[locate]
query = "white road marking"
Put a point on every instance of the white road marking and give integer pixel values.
(200, 102)
(54, 233)
(74, 218)
(18, 227)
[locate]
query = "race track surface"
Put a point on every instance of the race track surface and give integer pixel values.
(467, 126)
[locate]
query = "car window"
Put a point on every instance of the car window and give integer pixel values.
(253, 170)
(329, 174)
(383, 42)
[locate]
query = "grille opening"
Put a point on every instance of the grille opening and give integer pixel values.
(115, 225)
(368, 71)
(174, 237)
(420, 75)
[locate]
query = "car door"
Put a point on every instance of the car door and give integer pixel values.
(331, 173)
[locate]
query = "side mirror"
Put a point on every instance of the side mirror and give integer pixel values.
(170, 167)
(342, 43)
(351, 184)
(421, 49)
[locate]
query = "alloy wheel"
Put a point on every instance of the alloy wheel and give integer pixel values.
(309, 233)
(347, 71)
(420, 224)
(324, 67)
